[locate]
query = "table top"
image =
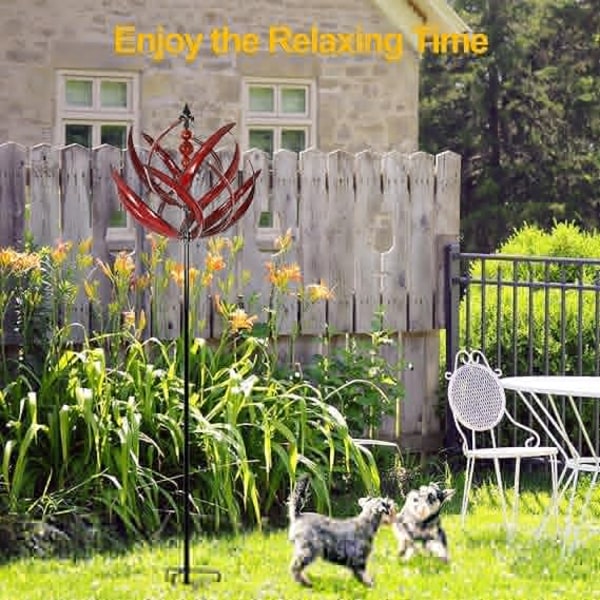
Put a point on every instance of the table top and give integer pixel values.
(560, 385)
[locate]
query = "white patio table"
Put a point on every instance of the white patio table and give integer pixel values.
(552, 399)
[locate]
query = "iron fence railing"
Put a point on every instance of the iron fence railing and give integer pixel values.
(530, 315)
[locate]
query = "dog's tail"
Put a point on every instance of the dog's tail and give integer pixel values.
(298, 497)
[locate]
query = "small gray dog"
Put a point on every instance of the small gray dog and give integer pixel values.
(346, 542)
(419, 521)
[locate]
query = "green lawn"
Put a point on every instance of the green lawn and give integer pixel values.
(484, 565)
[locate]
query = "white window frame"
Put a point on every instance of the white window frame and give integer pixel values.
(96, 116)
(277, 120)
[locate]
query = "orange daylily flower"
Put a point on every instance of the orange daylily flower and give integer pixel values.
(60, 251)
(239, 319)
(282, 276)
(8, 257)
(217, 244)
(319, 291)
(214, 262)
(26, 261)
(124, 264)
(177, 274)
(85, 246)
(143, 281)
(91, 289)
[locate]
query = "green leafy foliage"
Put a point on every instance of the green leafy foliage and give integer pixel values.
(96, 427)
(524, 116)
(360, 381)
(111, 438)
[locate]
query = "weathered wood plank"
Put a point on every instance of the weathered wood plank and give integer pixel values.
(104, 202)
(166, 302)
(447, 193)
(367, 225)
(431, 423)
(141, 242)
(12, 194)
(391, 426)
(341, 240)
(422, 242)
(76, 207)
(44, 220)
(396, 208)
(285, 217)
(447, 210)
(250, 260)
(419, 415)
(312, 235)
(76, 216)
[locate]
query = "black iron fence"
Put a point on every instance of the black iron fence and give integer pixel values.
(530, 315)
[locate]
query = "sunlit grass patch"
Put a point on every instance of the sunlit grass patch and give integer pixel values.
(484, 564)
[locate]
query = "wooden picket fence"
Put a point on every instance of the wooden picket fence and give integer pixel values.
(371, 226)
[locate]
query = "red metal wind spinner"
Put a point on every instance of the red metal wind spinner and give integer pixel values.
(215, 211)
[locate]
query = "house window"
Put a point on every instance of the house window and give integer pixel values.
(279, 115)
(97, 108)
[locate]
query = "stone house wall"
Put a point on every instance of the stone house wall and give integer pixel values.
(362, 101)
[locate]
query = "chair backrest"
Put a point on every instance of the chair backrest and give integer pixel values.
(475, 394)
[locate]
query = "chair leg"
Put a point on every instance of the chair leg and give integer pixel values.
(554, 499)
(501, 490)
(555, 489)
(570, 526)
(468, 481)
(516, 498)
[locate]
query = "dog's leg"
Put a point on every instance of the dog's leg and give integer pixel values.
(409, 551)
(405, 543)
(361, 574)
(301, 560)
(437, 548)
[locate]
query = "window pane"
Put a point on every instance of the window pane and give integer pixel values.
(262, 139)
(113, 94)
(78, 134)
(118, 218)
(293, 100)
(262, 99)
(293, 139)
(114, 135)
(79, 92)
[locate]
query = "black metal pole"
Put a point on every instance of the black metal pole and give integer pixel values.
(186, 407)
(452, 300)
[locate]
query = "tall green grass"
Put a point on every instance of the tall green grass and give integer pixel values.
(91, 436)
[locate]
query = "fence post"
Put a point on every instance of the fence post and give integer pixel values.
(452, 300)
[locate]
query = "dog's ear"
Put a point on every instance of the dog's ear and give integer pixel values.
(447, 494)
(363, 501)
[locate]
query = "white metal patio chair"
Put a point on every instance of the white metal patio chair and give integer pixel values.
(478, 403)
